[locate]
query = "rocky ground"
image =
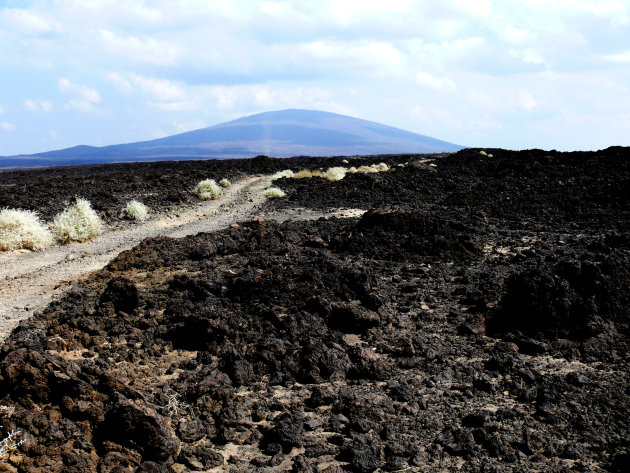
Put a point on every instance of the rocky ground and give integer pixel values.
(475, 318)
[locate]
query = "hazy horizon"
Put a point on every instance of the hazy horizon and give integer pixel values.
(528, 74)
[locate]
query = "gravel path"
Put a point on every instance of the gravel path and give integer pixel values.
(29, 281)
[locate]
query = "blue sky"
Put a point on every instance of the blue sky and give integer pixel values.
(551, 74)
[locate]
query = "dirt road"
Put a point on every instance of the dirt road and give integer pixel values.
(29, 281)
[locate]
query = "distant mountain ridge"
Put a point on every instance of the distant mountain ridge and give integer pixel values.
(283, 133)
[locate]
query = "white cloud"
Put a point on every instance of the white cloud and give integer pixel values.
(256, 98)
(150, 50)
(122, 84)
(350, 11)
(79, 106)
(433, 82)
(33, 106)
(1, 109)
(83, 92)
(6, 126)
(30, 106)
(162, 89)
(514, 34)
(526, 100)
(482, 8)
(29, 21)
(349, 58)
(528, 56)
(181, 106)
(622, 57)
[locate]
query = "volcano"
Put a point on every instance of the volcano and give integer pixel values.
(283, 133)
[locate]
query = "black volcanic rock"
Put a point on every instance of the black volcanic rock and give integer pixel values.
(476, 319)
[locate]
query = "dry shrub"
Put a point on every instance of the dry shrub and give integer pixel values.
(208, 189)
(23, 229)
(305, 174)
(137, 210)
(274, 193)
(77, 223)
(282, 174)
(335, 174)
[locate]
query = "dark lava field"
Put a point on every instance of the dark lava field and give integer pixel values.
(476, 318)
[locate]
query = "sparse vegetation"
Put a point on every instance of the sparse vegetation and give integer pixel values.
(274, 193)
(366, 170)
(136, 210)
(335, 174)
(23, 229)
(282, 174)
(77, 223)
(381, 167)
(208, 189)
(225, 183)
(304, 174)
(352, 170)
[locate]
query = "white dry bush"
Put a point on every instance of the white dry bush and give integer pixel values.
(10, 444)
(23, 229)
(345, 161)
(366, 170)
(280, 174)
(207, 189)
(137, 210)
(335, 174)
(274, 193)
(381, 167)
(352, 170)
(77, 223)
(225, 183)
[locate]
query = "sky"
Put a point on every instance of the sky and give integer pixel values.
(518, 74)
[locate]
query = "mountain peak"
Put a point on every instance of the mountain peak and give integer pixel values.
(279, 133)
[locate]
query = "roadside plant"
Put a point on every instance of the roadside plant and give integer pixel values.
(208, 189)
(281, 174)
(335, 174)
(274, 193)
(78, 222)
(225, 183)
(136, 210)
(23, 229)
